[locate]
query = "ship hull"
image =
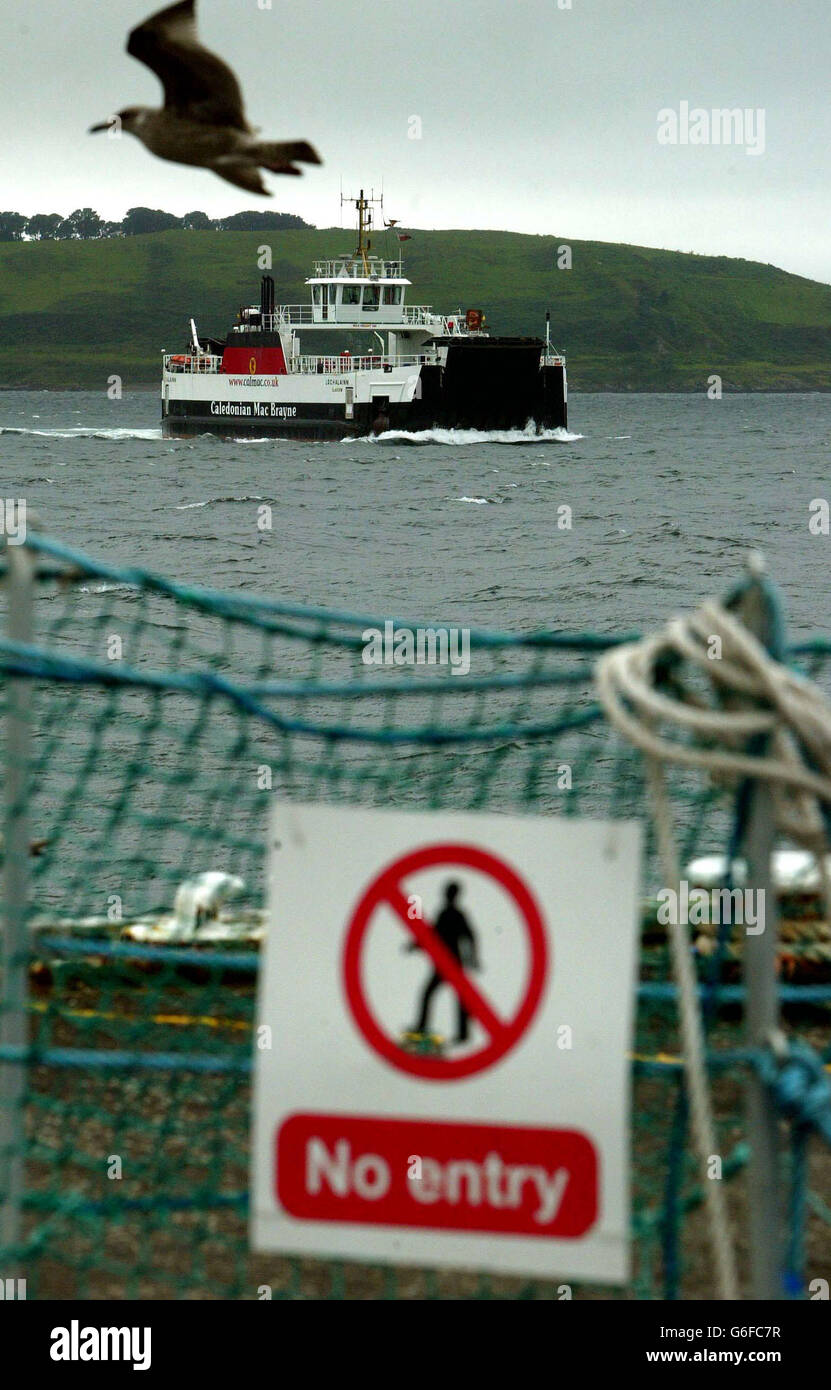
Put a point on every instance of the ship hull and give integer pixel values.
(489, 384)
(312, 423)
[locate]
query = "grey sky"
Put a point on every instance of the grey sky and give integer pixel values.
(533, 118)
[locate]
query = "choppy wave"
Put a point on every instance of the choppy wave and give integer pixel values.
(460, 437)
(106, 589)
(214, 501)
(85, 432)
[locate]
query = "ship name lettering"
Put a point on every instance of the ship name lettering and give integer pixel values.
(254, 408)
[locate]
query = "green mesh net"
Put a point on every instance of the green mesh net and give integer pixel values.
(162, 723)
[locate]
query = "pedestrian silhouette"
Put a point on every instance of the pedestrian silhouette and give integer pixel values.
(455, 933)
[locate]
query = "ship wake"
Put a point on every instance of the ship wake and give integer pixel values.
(459, 437)
(85, 432)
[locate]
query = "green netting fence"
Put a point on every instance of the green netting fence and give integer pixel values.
(148, 726)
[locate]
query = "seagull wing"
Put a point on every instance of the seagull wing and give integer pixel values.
(196, 83)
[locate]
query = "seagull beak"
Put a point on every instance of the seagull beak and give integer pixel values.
(105, 125)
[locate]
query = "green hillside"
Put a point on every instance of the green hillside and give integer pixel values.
(72, 313)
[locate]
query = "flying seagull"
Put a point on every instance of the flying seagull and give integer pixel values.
(202, 121)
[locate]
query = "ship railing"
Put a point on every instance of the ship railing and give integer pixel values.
(443, 325)
(288, 315)
(423, 315)
(202, 363)
(411, 316)
(342, 363)
(352, 267)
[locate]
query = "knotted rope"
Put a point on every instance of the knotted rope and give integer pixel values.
(760, 701)
(766, 723)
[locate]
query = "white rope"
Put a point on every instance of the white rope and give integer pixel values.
(755, 696)
(796, 713)
(692, 1036)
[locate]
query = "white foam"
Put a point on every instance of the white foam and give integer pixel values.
(87, 432)
(462, 437)
(214, 501)
(106, 589)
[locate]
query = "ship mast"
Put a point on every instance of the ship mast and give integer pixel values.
(365, 223)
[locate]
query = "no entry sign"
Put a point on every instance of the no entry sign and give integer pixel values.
(389, 889)
(445, 1013)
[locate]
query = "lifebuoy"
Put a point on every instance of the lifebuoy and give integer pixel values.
(252, 366)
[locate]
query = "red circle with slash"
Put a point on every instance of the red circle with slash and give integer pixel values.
(386, 891)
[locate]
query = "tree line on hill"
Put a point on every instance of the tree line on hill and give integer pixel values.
(84, 224)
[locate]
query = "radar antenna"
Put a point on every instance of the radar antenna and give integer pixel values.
(366, 215)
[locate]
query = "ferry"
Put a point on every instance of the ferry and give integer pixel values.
(359, 360)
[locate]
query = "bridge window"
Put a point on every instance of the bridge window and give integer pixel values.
(392, 294)
(371, 297)
(351, 295)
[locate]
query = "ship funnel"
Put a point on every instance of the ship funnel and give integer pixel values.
(267, 295)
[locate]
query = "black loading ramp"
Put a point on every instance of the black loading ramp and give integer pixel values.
(494, 383)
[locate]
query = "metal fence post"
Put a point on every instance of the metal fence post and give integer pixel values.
(13, 952)
(766, 1207)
